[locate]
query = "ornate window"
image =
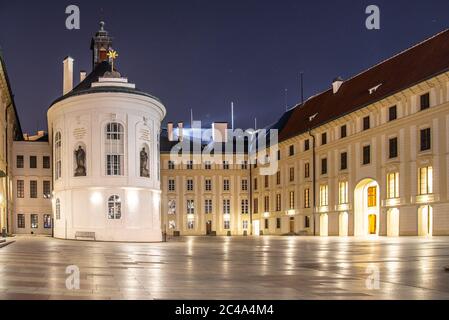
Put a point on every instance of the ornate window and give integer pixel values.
(58, 156)
(115, 147)
(58, 209)
(114, 208)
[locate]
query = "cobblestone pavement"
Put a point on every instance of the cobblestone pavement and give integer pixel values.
(228, 268)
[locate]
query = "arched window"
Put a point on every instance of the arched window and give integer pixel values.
(58, 209)
(115, 149)
(58, 156)
(114, 208)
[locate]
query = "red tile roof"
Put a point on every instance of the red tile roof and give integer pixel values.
(419, 63)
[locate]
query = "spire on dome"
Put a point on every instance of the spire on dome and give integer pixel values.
(100, 46)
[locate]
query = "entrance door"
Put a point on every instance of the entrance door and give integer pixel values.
(372, 219)
(292, 225)
(209, 228)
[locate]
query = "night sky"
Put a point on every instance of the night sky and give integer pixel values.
(205, 54)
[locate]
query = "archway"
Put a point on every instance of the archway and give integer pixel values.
(324, 225)
(425, 221)
(393, 222)
(343, 224)
(366, 208)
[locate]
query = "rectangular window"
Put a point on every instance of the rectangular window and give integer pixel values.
(343, 188)
(114, 165)
(291, 151)
(425, 101)
(33, 189)
(226, 185)
(324, 138)
(255, 184)
(208, 206)
(244, 185)
(366, 155)
(208, 165)
(393, 148)
(343, 161)
(190, 165)
(225, 165)
(46, 162)
(307, 198)
(306, 145)
(392, 113)
(256, 206)
(190, 224)
(33, 162)
(267, 204)
(267, 182)
(324, 195)
(292, 174)
(426, 139)
(208, 185)
(278, 202)
(292, 200)
(227, 224)
(366, 123)
(343, 132)
(245, 206)
(307, 170)
(34, 221)
(307, 222)
(21, 221)
(171, 165)
(171, 185)
(226, 206)
(279, 155)
(278, 223)
(267, 224)
(426, 180)
(393, 185)
(245, 165)
(245, 225)
(190, 185)
(46, 187)
(20, 162)
(372, 197)
(190, 206)
(47, 221)
(278, 178)
(20, 189)
(324, 166)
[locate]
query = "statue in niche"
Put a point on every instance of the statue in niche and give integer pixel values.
(144, 172)
(80, 156)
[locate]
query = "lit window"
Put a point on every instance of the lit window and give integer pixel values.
(343, 192)
(372, 197)
(393, 185)
(324, 195)
(46, 189)
(307, 170)
(190, 207)
(307, 198)
(47, 221)
(34, 221)
(245, 224)
(58, 156)
(226, 206)
(425, 180)
(278, 202)
(114, 208)
(292, 200)
(115, 149)
(190, 224)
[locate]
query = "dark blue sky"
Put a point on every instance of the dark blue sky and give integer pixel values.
(203, 54)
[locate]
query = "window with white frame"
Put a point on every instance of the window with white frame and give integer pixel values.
(115, 149)
(58, 155)
(189, 185)
(208, 206)
(171, 185)
(208, 185)
(244, 185)
(245, 206)
(227, 224)
(393, 185)
(226, 185)
(343, 187)
(324, 195)
(114, 208)
(245, 224)
(425, 180)
(226, 206)
(190, 206)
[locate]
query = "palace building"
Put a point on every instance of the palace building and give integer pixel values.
(367, 157)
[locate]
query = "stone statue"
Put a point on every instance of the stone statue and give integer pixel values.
(144, 172)
(80, 156)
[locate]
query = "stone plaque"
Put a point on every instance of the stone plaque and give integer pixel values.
(79, 133)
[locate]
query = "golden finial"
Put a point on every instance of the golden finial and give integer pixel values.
(112, 55)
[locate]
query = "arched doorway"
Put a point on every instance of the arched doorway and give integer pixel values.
(324, 225)
(425, 221)
(366, 208)
(393, 222)
(343, 224)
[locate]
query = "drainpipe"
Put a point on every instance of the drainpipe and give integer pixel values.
(313, 180)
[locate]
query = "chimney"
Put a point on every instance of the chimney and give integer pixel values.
(220, 132)
(83, 75)
(170, 131)
(337, 84)
(68, 75)
(180, 131)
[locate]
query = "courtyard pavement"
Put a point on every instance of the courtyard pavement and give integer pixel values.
(228, 268)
